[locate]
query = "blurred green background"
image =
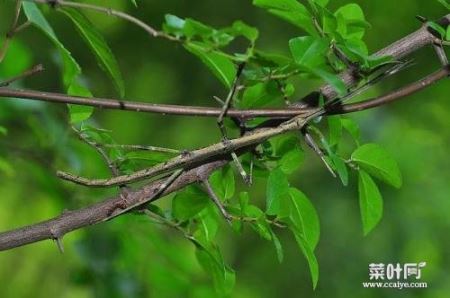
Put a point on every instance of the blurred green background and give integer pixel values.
(130, 257)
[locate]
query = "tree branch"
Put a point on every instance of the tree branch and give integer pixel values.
(397, 50)
(198, 165)
(106, 103)
(68, 221)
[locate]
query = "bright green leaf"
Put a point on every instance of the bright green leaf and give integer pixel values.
(173, 25)
(221, 66)
(334, 130)
(277, 192)
(99, 47)
(379, 163)
(79, 113)
(260, 225)
(251, 33)
(278, 247)
(223, 183)
(341, 168)
(71, 67)
(370, 202)
(188, 202)
(260, 95)
(291, 160)
(352, 127)
(334, 80)
(212, 261)
(310, 257)
(304, 217)
(208, 225)
(290, 10)
(308, 51)
(351, 21)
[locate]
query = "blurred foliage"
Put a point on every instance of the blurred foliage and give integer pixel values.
(133, 257)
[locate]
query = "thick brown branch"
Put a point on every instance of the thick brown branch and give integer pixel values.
(68, 221)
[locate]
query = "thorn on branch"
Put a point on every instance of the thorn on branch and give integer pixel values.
(440, 52)
(309, 140)
(217, 201)
(421, 19)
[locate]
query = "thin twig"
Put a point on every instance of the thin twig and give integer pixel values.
(127, 105)
(440, 52)
(109, 11)
(216, 200)
(228, 100)
(143, 148)
(11, 31)
(34, 70)
(98, 147)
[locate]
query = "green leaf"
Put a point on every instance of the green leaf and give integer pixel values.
(445, 3)
(223, 276)
(278, 247)
(249, 32)
(334, 80)
(335, 130)
(99, 47)
(277, 193)
(79, 113)
(223, 183)
(370, 202)
(134, 3)
(304, 217)
(260, 225)
(351, 21)
(173, 25)
(193, 28)
(71, 67)
(379, 163)
(340, 167)
(189, 202)
(260, 95)
(291, 160)
(221, 66)
(352, 127)
(308, 51)
(208, 225)
(291, 11)
(447, 35)
(310, 257)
